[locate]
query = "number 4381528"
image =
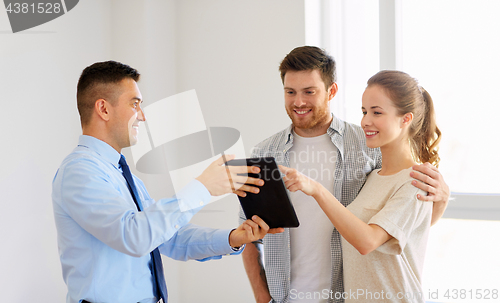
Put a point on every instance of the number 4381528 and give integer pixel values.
(38, 8)
(485, 294)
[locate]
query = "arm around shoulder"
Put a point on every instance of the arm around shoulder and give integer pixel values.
(431, 181)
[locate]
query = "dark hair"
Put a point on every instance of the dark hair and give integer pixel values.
(409, 97)
(94, 84)
(310, 58)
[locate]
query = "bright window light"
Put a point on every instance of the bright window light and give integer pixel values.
(452, 49)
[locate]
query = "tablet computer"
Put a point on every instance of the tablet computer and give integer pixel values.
(272, 203)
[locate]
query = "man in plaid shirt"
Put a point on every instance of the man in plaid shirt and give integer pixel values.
(304, 264)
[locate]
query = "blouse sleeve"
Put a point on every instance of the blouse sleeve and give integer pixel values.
(401, 216)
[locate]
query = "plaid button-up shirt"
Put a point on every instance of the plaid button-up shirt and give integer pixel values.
(354, 162)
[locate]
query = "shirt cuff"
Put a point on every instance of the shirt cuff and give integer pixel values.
(221, 246)
(192, 196)
(235, 249)
(221, 237)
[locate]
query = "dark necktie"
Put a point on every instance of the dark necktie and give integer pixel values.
(157, 268)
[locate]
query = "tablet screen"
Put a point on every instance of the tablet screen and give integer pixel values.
(272, 203)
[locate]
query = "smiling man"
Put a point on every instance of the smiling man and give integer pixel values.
(307, 102)
(304, 264)
(110, 231)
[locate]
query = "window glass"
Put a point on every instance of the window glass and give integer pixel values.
(462, 259)
(452, 49)
(349, 31)
(360, 54)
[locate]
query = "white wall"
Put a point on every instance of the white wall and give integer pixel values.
(229, 51)
(38, 74)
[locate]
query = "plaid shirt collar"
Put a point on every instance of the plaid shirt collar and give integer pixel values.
(336, 126)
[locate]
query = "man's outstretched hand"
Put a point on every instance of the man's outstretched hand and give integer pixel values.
(220, 179)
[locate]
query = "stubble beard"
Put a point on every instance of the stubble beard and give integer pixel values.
(318, 118)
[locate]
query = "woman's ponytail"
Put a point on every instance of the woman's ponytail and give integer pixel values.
(426, 140)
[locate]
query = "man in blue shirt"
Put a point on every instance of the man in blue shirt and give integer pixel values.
(104, 240)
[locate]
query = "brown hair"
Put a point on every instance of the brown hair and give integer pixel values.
(94, 84)
(310, 58)
(409, 97)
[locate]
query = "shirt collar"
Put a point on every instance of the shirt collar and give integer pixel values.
(336, 126)
(100, 147)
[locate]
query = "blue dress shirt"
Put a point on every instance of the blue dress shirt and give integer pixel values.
(104, 241)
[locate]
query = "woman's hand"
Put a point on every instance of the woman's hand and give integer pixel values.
(295, 181)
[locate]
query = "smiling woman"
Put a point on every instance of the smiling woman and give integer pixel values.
(396, 94)
(380, 117)
(454, 53)
(385, 229)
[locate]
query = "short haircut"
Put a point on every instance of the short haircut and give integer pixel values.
(310, 58)
(97, 81)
